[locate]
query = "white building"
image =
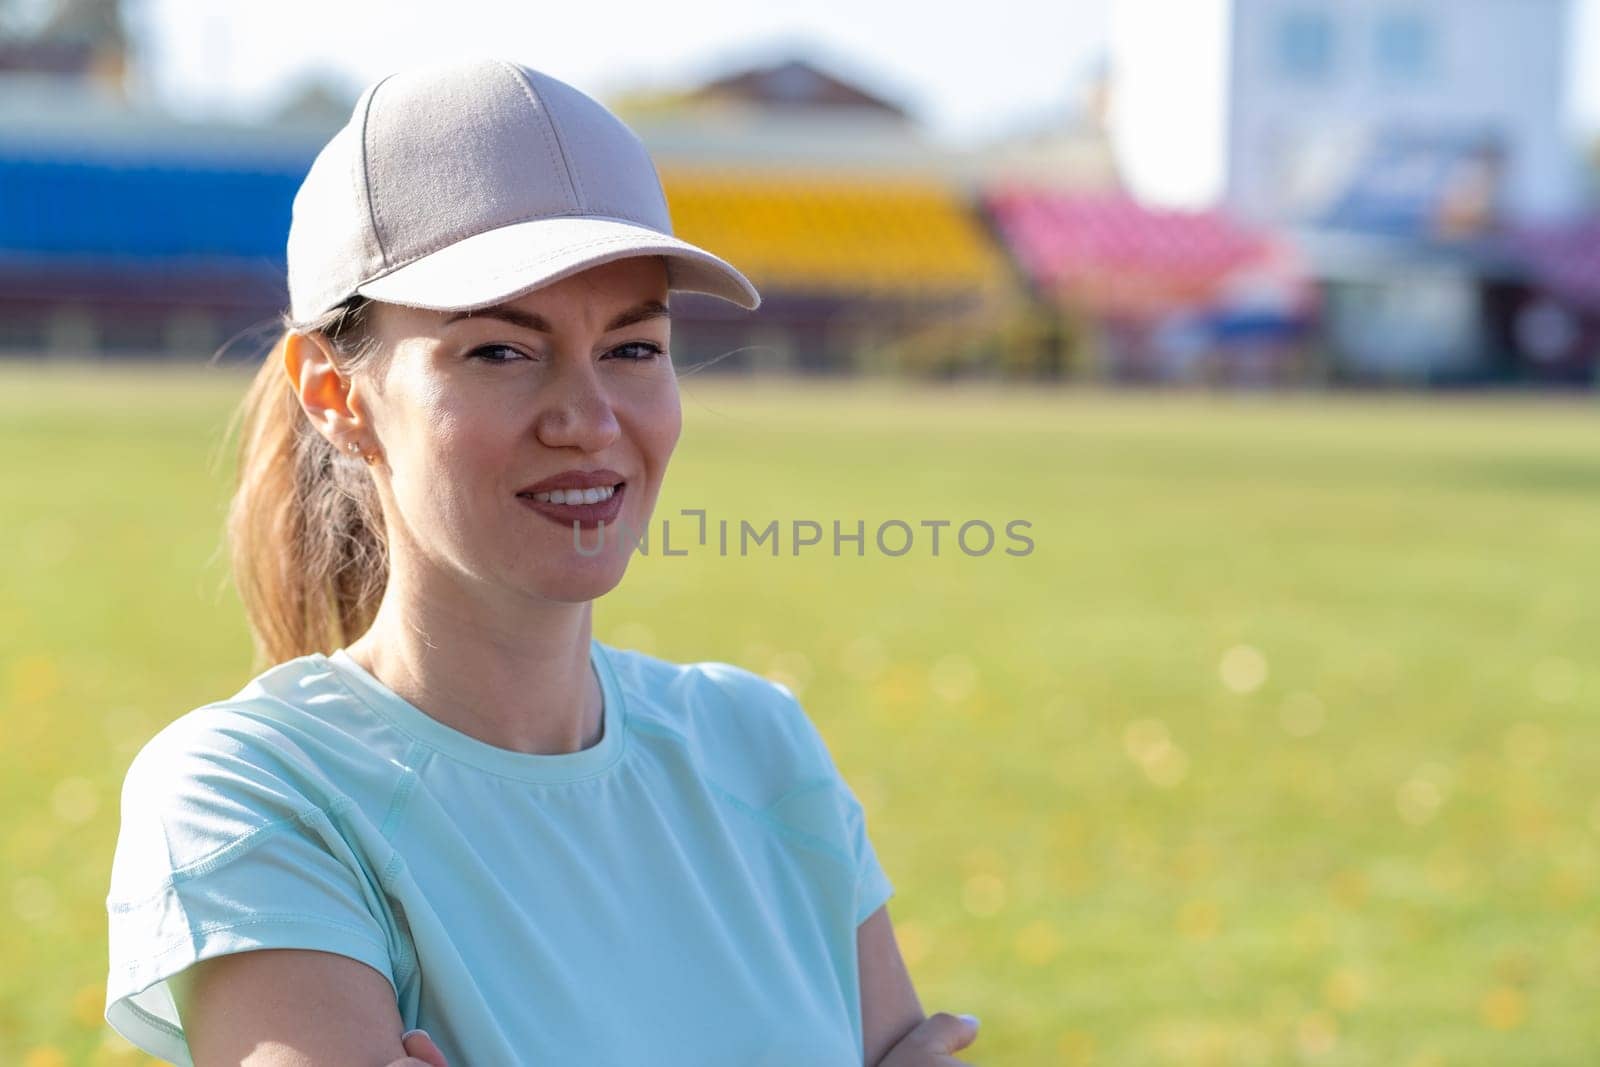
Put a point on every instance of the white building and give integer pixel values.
(1330, 100)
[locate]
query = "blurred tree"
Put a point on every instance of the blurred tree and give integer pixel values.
(322, 97)
(85, 40)
(98, 25)
(95, 22)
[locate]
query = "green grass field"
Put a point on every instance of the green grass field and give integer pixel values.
(1280, 747)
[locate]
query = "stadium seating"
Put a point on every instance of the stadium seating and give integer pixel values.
(1112, 255)
(892, 237)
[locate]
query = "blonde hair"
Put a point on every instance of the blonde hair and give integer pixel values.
(305, 527)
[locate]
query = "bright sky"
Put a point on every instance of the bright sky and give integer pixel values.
(968, 77)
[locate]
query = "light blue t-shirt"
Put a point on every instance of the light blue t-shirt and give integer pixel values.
(685, 891)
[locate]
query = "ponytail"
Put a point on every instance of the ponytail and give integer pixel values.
(305, 528)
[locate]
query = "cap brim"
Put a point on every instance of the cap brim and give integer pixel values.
(497, 265)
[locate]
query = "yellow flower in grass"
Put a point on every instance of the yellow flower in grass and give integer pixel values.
(1503, 1008)
(1076, 1049)
(88, 1005)
(1038, 942)
(1344, 990)
(1199, 920)
(33, 679)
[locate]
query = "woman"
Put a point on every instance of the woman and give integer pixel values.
(474, 834)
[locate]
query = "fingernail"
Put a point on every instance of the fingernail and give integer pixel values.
(409, 1033)
(973, 1019)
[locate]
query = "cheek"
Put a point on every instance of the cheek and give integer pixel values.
(671, 423)
(469, 455)
(446, 455)
(658, 424)
(462, 431)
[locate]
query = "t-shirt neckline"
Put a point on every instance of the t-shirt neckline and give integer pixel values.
(527, 766)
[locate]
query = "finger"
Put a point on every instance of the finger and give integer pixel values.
(969, 1032)
(420, 1046)
(948, 1033)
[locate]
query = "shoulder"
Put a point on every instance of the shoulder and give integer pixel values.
(285, 748)
(293, 727)
(654, 685)
(750, 729)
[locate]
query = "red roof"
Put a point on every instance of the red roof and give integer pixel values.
(1114, 255)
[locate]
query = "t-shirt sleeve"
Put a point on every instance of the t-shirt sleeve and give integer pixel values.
(221, 851)
(873, 888)
(872, 885)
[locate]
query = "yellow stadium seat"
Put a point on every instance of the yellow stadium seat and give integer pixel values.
(832, 234)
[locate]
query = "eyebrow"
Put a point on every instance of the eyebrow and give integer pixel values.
(650, 309)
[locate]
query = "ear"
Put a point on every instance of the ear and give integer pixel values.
(323, 392)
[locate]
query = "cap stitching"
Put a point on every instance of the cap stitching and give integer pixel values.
(547, 130)
(371, 195)
(543, 109)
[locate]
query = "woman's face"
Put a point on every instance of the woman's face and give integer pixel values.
(470, 410)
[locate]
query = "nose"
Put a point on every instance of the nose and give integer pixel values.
(576, 412)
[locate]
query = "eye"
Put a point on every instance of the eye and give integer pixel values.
(638, 351)
(496, 354)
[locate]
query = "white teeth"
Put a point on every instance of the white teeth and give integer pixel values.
(576, 496)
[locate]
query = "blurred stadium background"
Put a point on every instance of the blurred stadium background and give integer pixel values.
(1397, 210)
(1280, 748)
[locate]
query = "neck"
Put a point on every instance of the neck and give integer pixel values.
(515, 676)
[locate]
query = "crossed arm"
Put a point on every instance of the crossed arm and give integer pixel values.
(299, 1008)
(889, 1005)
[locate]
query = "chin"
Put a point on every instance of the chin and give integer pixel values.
(589, 580)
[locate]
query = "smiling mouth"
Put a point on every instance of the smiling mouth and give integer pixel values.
(582, 512)
(575, 497)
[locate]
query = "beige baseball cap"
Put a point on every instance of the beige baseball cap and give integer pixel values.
(458, 186)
